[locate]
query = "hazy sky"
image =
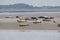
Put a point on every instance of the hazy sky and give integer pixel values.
(32, 2)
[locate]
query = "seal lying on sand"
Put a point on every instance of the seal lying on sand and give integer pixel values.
(21, 21)
(21, 25)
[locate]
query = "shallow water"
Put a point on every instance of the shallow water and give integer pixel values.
(29, 35)
(57, 14)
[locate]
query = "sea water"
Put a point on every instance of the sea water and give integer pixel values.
(29, 35)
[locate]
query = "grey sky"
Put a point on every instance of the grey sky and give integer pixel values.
(32, 2)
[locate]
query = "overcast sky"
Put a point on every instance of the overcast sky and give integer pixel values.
(32, 2)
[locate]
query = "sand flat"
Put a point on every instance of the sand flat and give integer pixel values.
(11, 23)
